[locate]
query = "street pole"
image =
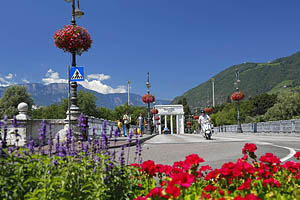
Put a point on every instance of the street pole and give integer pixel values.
(213, 90)
(73, 108)
(128, 92)
(239, 126)
(149, 120)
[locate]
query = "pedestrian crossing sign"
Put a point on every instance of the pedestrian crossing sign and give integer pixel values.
(76, 74)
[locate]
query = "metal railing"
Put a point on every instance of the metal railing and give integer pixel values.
(283, 126)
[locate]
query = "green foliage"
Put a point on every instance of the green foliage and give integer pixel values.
(287, 107)
(54, 111)
(87, 103)
(262, 103)
(43, 177)
(11, 98)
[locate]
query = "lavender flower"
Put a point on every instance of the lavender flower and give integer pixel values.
(4, 142)
(30, 145)
(43, 133)
(50, 140)
(121, 158)
(57, 145)
(82, 123)
(129, 144)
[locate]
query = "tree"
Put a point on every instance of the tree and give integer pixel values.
(287, 107)
(54, 111)
(262, 103)
(87, 103)
(11, 98)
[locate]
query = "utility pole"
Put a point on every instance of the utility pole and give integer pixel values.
(128, 92)
(213, 90)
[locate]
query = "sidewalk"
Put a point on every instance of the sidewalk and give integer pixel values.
(124, 141)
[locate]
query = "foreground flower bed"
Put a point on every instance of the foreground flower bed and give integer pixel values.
(266, 178)
(92, 170)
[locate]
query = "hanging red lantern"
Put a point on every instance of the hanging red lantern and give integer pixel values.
(153, 111)
(208, 110)
(189, 123)
(148, 98)
(156, 118)
(237, 96)
(196, 117)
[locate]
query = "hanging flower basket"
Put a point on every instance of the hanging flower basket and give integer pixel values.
(208, 110)
(157, 118)
(196, 117)
(153, 111)
(158, 123)
(73, 38)
(148, 98)
(189, 123)
(237, 96)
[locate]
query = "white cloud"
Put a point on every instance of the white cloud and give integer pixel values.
(25, 80)
(99, 77)
(7, 80)
(9, 76)
(53, 77)
(92, 82)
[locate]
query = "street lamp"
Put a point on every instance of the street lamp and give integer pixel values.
(149, 118)
(239, 127)
(74, 109)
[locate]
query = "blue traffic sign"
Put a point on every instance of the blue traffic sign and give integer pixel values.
(76, 74)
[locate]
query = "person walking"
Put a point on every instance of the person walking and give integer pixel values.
(140, 124)
(127, 120)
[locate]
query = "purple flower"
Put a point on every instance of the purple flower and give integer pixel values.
(121, 158)
(30, 145)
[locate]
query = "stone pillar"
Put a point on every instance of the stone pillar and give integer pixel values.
(181, 124)
(177, 124)
(171, 118)
(159, 126)
(166, 124)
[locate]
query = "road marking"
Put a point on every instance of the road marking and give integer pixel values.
(290, 155)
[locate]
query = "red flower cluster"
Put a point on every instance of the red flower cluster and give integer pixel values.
(241, 176)
(249, 147)
(237, 96)
(269, 158)
(297, 155)
(73, 38)
(208, 110)
(148, 98)
(196, 117)
(188, 123)
(156, 118)
(153, 111)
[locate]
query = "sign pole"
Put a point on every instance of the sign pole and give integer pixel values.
(69, 95)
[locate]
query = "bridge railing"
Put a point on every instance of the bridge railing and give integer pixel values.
(282, 126)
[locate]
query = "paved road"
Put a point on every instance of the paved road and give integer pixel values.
(166, 149)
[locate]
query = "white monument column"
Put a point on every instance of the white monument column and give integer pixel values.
(159, 126)
(177, 124)
(171, 118)
(166, 125)
(182, 123)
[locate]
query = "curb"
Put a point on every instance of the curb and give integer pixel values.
(133, 143)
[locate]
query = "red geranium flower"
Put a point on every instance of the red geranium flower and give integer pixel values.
(249, 147)
(272, 182)
(297, 155)
(148, 167)
(270, 159)
(73, 38)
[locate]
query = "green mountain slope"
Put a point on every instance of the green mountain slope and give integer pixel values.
(256, 78)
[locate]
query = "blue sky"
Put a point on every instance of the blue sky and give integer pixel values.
(182, 43)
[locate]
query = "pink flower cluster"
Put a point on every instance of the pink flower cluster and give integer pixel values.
(73, 38)
(237, 96)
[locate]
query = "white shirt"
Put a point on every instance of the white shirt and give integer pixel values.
(203, 118)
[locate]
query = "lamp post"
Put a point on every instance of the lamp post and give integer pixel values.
(149, 117)
(74, 111)
(239, 127)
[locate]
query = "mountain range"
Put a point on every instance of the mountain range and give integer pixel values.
(44, 95)
(255, 78)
